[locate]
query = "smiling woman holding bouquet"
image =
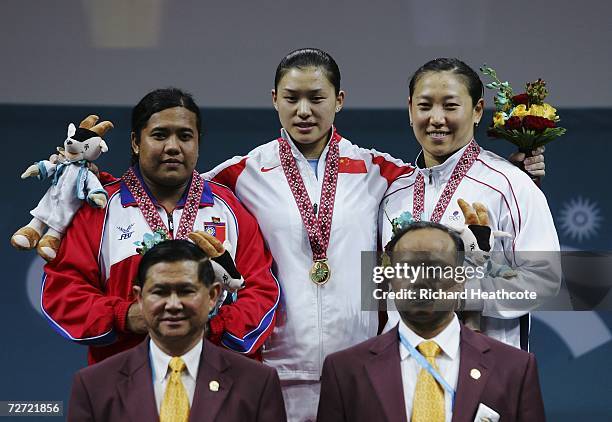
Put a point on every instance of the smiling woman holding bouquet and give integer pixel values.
(445, 106)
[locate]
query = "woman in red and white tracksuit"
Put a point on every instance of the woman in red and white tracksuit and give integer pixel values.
(314, 319)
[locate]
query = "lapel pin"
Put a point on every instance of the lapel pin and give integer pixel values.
(213, 386)
(475, 373)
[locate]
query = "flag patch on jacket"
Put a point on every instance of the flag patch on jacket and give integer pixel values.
(216, 229)
(350, 165)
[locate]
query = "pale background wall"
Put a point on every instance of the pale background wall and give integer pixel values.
(225, 52)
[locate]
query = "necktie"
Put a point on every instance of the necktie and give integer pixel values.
(175, 405)
(428, 404)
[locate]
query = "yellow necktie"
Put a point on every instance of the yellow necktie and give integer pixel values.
(428, 404)
(175, 405)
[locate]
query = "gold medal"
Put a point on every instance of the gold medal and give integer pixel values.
(320, 272)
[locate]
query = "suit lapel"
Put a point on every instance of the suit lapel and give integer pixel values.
(136, 390)
(474, 363)
(384, 372)
(211, 373)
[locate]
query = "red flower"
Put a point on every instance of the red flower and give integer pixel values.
(520, 99)
(513, 122)
(537, 123)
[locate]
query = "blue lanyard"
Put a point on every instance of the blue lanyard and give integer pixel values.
(421, 360)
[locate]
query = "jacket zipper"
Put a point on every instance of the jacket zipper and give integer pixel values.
(170, 224)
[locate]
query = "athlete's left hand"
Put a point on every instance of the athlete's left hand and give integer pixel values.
(534, 165)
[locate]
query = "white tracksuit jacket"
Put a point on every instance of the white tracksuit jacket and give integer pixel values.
(515, 205)
(314, 321)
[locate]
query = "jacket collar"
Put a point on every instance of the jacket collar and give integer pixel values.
(137, 388)
(128, 200)
(384, 372)
(297, 154)
(441, 172)
(474, 369)
(212, 375)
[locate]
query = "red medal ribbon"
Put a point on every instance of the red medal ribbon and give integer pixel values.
(318, 225)
(149, 210)
(461, 168)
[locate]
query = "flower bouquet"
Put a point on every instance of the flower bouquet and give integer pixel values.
(524, 119)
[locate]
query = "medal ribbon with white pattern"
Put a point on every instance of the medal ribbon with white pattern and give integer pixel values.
(149, 210)
(318, 226)
(461, 168)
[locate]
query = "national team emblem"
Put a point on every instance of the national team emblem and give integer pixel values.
(215, 228)
(351, 165)
(127, 232)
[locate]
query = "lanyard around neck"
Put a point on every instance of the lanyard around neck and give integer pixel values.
(421, 360)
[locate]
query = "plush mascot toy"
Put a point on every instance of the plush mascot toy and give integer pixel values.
(223, 265)
(71, 183)
(220, 255)
(478, 238)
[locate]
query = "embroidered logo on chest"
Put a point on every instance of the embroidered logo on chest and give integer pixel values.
(126, 233)
(455, 216)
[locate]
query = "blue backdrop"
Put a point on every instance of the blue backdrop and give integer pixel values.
(573, 348)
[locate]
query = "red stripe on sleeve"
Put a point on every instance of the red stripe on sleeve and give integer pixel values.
(391, 171)
(229, 175)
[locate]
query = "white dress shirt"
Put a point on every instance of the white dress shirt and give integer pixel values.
(447, 360)
(161, 371)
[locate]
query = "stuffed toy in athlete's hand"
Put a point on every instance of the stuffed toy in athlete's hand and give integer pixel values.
(476, 234)
(223, 265)
(71, 183)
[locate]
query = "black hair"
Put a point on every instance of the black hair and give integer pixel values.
(471, 78)
(175, 250)
(309, 57)
(159, 100)
(420, 225)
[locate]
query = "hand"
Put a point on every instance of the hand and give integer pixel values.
(534, 165)
(31, 171)
(94, 169)
(59, 157)
(98, 198)
(135, 321)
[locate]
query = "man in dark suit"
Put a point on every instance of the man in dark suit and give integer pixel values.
(175, 374)
(470, 377)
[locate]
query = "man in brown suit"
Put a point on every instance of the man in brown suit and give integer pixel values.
(378, 379)
(176, 374)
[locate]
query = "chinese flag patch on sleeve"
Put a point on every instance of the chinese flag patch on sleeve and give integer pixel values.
(350, 165)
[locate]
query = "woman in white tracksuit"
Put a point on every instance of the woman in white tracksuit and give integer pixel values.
(445, 105)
